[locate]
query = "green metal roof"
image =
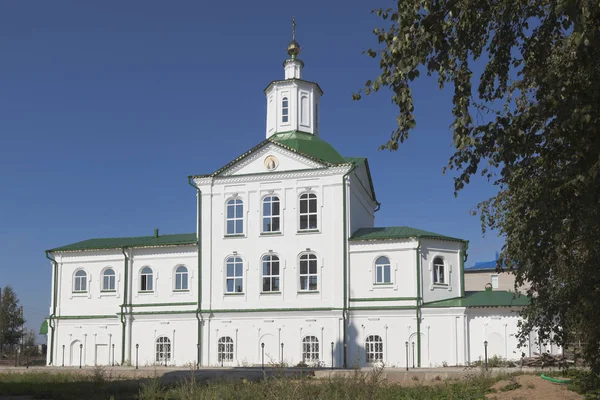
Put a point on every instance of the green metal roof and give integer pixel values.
(397, 232)
(137, 241)
(309, 144)
(44, 328)
(487, 298)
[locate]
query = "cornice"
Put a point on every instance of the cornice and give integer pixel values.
(303, 173)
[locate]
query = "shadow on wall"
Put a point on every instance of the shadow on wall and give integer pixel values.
(356, 348)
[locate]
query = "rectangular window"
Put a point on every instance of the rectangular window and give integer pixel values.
(439, 271)
(270, 274)
(308, 211)
(495, 281)
(383, 270)
(271, 214)
(235, 217)
(235, 275)
(308, 272)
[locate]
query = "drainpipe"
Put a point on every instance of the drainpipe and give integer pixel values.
(418, 303)
(345, 233)
(199, 237)
(462, 268)
(51, 319)
(123, 321)
(377, 207)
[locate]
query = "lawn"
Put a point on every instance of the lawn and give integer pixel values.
(100, 384)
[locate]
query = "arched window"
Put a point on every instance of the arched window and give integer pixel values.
(285, 110)
(181, 278)
(373, 349)
(163, 349)
(270, 273)
(80, 281)
(383, 270)
(225, 349)
(271, 214)
(108, 280)
(304, 110)
(308, 211)
(234, 280)
(146, 284)
(439, 271)
(308, 272)
(235, 217)
(310, 348)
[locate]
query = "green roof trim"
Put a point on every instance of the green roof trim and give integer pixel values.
(137, 241)
(398, 232)
(487, 298)
(310, 145)
(44, 328)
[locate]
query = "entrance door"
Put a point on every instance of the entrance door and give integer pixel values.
(271, 349)
(101, 357)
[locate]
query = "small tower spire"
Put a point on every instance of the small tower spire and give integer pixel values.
(293, 65)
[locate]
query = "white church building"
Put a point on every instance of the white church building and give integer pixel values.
(285, 264)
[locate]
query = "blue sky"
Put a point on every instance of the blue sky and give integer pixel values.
(107, 107)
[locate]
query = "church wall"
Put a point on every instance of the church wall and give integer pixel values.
(326, 243)
(450, 252)
(443, 339)
(96, 337)
(402, 290)
(249, 330)
(180, 330)
(497, 326)
(361, 206)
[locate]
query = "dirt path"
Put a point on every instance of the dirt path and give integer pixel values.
(532, 387)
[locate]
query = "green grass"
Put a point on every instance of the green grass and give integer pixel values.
(370, 385)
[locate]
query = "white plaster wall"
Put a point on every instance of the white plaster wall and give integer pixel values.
(326, 243)
(361, 205)
(181, 330)
(444, 337)
(402, 257)
(250, 330)
(451, 253)
(97, 337)
(294, 90)
(496, 325)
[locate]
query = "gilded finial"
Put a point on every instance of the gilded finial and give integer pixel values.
(293, 48)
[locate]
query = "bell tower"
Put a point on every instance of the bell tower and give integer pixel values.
(293, 103)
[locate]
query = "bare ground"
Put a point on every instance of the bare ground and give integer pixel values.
(533, 387)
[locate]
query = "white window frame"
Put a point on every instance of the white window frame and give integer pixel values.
(79, 279)
(308, 258)
(285, 110)
(436, 271)
(145, 274)
(373, 354)
(309, 196)
(225, 349)
(273, 258)
(311, 349)
(497, 276)
(162, 349)
(236, 259)
(272, 216)
(235, 218)
(380, 265)
(179, 275)
(104, 288)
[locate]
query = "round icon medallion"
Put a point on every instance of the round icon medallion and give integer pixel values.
(271, 162)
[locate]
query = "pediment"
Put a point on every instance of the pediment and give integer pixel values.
(270, 158)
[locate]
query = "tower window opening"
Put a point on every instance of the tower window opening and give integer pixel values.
(285, 110)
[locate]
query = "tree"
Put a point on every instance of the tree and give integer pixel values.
(530, 127)
(29, 347)
(11, 318)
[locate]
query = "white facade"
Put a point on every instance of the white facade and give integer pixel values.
(282, 268)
